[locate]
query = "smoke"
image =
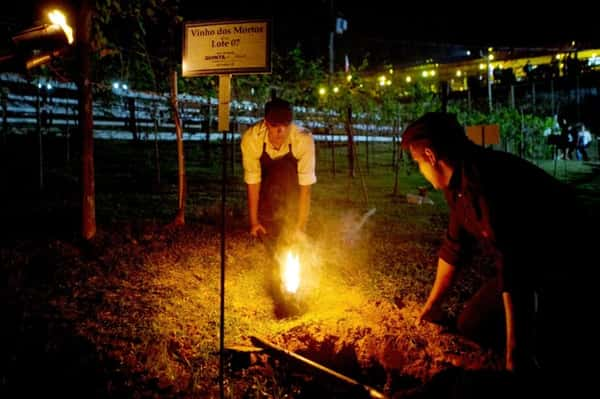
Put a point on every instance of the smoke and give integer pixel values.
(352, 225)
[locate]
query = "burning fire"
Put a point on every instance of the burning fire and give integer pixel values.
(58, 18)
(291, 273)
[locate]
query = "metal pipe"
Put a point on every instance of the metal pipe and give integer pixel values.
(279, 351)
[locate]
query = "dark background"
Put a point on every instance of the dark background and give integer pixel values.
(394, 32)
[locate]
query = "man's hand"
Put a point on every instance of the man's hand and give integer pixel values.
(430, 313)
(422, 315)
(257, 229)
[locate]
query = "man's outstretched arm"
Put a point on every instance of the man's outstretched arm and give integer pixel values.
(443, 280)
(303, 207)
(253, 199)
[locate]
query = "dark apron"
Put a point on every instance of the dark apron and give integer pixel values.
(278, 201)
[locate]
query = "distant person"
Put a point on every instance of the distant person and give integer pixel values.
(279, 170)
(571, 142)
(584, 139)
(568, 141)
(525, 220)
(554, 137)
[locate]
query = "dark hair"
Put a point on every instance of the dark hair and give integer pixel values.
(439, 131)
(278, 112)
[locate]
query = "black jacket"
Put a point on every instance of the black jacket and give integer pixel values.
(521, 215)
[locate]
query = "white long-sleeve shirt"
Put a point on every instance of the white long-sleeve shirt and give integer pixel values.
(584, 137)
(303, 149)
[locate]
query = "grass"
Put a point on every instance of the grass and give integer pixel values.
(135, 313)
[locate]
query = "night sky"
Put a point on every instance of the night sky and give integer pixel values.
(411, 32)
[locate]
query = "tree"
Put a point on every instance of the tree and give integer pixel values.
(180, 216)
(88, 205)
(520, 132)
(148, 57)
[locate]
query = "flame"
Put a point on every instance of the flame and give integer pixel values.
(58, 18)
(291, 273)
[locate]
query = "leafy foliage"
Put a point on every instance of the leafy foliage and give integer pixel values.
(520, 132)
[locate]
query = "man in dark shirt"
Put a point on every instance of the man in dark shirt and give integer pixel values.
(522, 217)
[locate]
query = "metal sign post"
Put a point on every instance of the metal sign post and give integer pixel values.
(224, 48)
(224, 98)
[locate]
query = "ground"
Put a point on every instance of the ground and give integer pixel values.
(149, 304)
(135, 312)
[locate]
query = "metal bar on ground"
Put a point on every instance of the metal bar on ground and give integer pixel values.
(277, 350)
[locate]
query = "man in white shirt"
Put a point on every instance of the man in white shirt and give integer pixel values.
(584, 138)
(279, 169)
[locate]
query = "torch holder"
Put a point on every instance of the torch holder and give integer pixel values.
(34, 47)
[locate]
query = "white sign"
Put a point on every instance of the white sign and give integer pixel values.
(231, 47)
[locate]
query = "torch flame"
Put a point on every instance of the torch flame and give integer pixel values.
(291, 273)
(58, 18)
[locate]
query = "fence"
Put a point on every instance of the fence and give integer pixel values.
(49, 109)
